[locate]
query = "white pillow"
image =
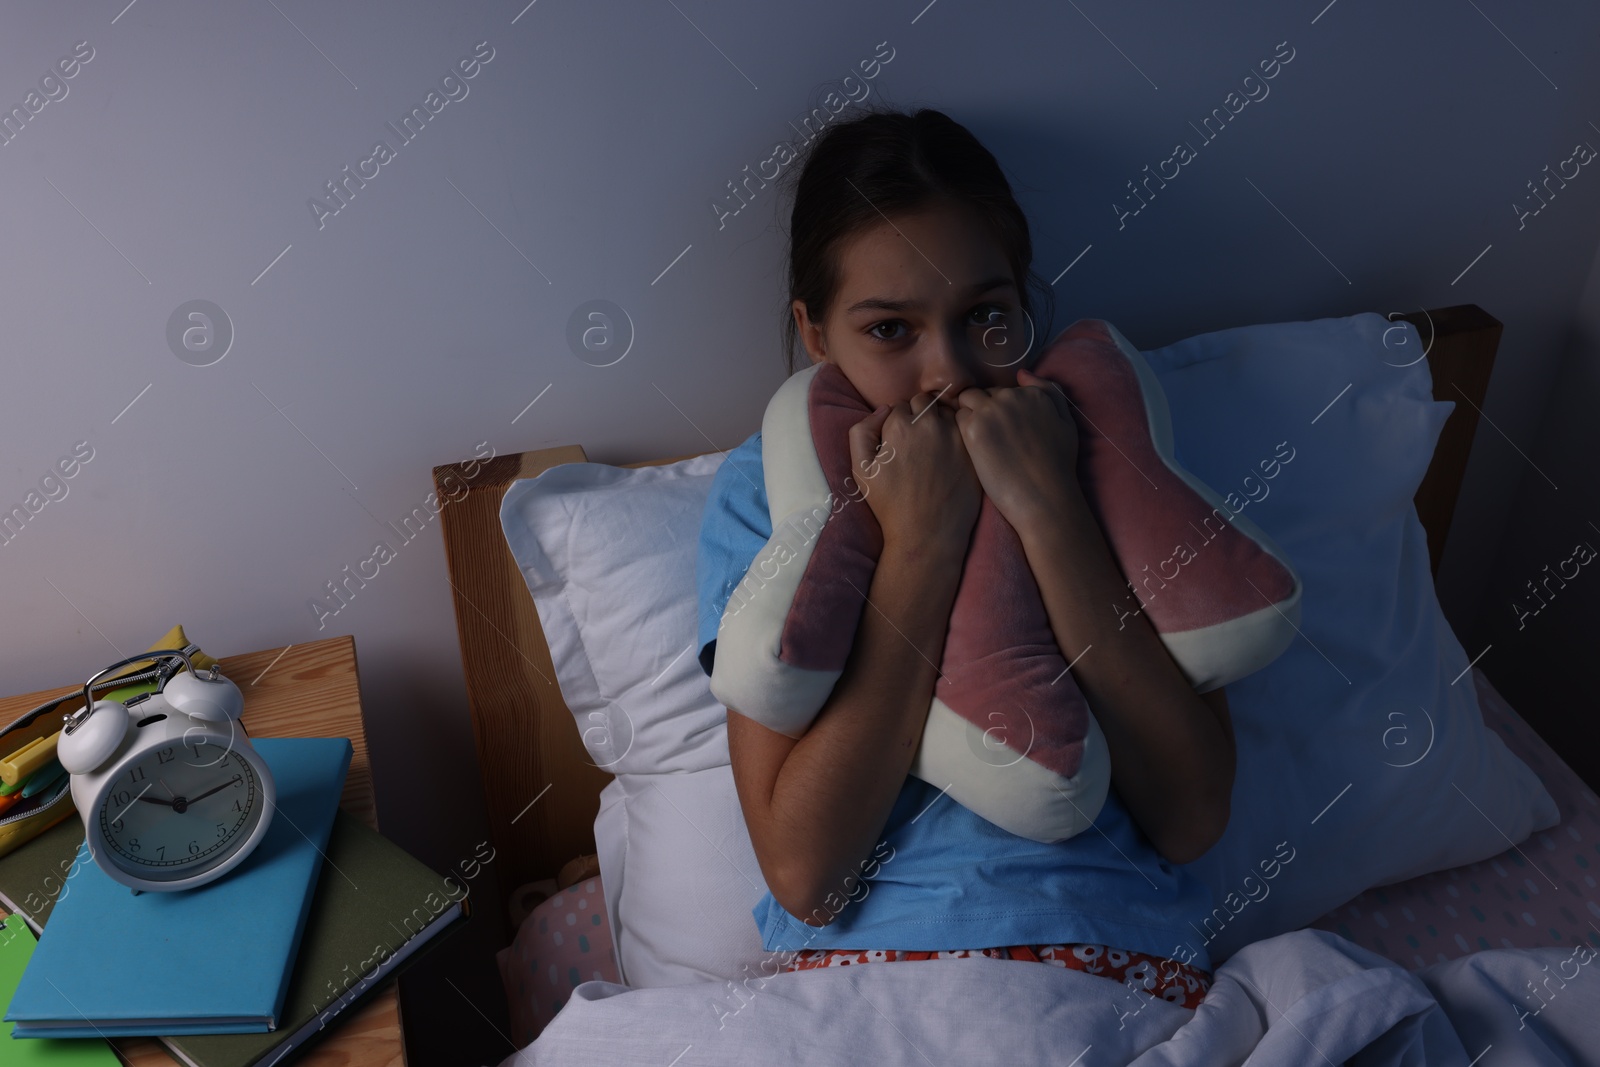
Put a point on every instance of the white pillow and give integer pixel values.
(1350, 702)
(609, 554)
(679, 878)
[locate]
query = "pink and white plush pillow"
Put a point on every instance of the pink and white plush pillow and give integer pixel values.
(1008, 732)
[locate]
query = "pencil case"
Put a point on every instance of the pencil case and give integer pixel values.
(32, 816)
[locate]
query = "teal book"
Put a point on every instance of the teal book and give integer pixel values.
(211, 960)
(16, 949)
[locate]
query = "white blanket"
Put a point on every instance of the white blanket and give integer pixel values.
(1307, 997)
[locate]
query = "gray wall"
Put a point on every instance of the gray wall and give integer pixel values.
(1540, 617)
(585, 162)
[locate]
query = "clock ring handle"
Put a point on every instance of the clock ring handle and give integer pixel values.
(76, 718)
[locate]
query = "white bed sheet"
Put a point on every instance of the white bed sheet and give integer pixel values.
(1307, 997)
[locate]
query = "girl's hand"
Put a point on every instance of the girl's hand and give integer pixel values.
(1023, 443)
(913, 470)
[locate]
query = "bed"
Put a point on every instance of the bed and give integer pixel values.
(1440, 967)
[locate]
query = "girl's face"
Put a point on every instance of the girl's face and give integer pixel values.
(926, 303)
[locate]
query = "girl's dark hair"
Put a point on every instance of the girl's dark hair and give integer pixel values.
(885, 163)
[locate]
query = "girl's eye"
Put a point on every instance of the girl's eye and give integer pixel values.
(989, 314)
(872, 330)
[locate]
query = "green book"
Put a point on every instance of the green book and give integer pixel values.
(374, 907)
(32, 875)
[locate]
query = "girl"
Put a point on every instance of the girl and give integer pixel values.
(908, 267)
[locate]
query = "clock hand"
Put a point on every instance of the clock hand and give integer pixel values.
(153, 800)
(208, 792)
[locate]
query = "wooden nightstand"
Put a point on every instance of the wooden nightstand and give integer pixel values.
(306, 690)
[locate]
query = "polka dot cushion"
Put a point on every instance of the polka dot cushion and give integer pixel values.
(1541, 893)
(564, 941)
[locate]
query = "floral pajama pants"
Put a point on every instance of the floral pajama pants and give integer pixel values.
(1164, 979)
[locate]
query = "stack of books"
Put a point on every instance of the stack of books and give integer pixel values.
(239, 971)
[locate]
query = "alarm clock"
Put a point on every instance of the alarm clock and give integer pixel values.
(172, 795)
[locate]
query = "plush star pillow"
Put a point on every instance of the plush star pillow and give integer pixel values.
(1008, 734)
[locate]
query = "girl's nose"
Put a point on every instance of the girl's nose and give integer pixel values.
(947, 371)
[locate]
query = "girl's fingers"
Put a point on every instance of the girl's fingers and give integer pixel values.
(922, 402)
(872, 425)
(1057, 396)
(869, 431)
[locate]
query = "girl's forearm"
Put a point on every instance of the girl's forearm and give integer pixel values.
(1171, 759)
(833, 794)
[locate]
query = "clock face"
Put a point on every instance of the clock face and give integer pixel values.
(179, 810)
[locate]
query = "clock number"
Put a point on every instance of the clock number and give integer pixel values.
(133, 844)
(162, 852)
(165, 755)
(238, 805)
(194, 848)
(121, 799)
(116, 827)
(136, 775)
(238, 779)
(222, 830)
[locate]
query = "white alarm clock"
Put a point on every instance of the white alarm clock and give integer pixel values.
(171, 792)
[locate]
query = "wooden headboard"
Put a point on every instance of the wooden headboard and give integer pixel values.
(542, 790)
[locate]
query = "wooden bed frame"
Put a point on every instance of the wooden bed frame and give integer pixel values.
(529, 745)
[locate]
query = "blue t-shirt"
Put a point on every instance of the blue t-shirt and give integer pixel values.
(945, 878)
